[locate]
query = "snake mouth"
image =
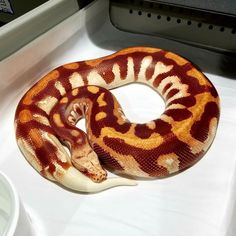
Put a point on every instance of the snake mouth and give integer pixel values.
(95, 177)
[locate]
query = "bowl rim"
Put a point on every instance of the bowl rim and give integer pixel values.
(15, 212)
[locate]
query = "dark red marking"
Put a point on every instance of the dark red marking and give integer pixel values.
(64, 78)
(106, 159)
(166, 87)
(108, 76)
(137, 58)
(150, 71)
(123, 65)
(185, 101)
(142, 131)
(213, 91)
(171, 93)
(162, 127)
(162, 76)
(178, 114)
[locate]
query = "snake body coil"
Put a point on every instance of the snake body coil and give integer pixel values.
(47, 114)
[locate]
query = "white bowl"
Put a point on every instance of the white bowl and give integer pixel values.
(13, 217)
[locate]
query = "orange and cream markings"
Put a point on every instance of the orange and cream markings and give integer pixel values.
(47, 114)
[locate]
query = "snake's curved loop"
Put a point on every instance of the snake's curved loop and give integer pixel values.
(47, 113)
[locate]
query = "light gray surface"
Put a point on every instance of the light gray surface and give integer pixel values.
(25, 28)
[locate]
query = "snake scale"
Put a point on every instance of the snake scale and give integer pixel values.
(46, 117)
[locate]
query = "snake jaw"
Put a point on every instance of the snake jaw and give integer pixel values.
(74, 179)
(89, 165)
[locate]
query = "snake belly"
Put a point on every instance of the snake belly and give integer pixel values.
(47, 114)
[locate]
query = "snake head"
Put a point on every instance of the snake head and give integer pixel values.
(87, 162)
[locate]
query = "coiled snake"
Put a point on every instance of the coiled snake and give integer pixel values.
(46, 116)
